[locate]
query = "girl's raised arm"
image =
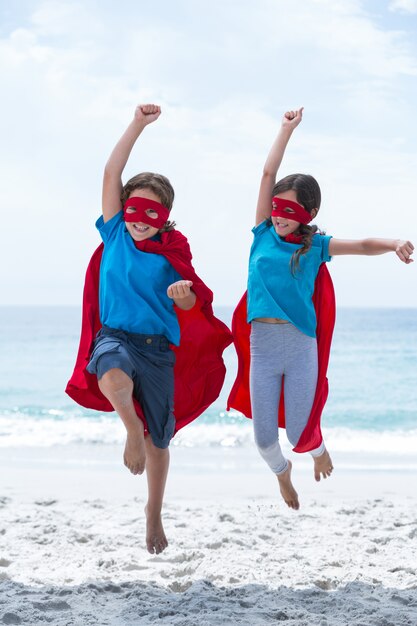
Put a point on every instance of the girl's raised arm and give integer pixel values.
(370, 247)
(290, 121)
(112, 179)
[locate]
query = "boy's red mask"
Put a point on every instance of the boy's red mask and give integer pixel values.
(300, 214)
(141, 205)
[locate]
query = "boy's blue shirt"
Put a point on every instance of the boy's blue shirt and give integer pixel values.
(133, 285)
(273, 291)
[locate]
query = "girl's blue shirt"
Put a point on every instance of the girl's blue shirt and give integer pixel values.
(133, 285)
(273, 291)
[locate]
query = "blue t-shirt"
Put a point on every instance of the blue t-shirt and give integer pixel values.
(133, 285)
(273, 291)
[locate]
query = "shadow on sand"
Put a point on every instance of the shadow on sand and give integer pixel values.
(202, 603)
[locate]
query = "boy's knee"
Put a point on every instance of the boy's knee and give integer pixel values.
(157, 449)
(115, 379)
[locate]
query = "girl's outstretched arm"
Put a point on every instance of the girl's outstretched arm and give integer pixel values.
(112, 179)
(290, 121)
(370, 247)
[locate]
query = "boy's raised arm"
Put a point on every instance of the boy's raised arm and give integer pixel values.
(112, 179)
(290, 121)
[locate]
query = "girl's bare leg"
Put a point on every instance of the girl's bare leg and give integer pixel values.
(157, 464)
(118, 389)
(287, 488)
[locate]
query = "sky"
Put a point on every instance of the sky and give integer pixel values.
(224, 72)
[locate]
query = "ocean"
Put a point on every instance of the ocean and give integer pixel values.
(372, 406)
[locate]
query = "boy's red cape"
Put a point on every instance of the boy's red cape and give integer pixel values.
(239, 398)
(199, 369)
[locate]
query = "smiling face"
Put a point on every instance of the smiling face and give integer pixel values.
(285, 226)
(138, 230)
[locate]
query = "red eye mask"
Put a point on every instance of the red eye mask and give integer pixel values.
(139, 215)
(300, 214)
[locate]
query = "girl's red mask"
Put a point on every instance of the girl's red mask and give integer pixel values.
(299, 215)
(141, 205)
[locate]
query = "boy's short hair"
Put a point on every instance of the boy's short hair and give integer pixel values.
(158, 183)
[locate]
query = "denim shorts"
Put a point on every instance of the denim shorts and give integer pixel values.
(149, 361)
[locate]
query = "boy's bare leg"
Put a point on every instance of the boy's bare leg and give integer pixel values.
(118, 389)
(157, 464)
(323, 465)
(287, 488)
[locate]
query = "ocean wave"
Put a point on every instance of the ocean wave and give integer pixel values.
(56, 427)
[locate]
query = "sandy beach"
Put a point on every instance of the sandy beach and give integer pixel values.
(72, 543)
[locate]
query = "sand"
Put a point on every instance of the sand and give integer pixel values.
(72, 544)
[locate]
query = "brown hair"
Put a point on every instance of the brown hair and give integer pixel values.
(157, 183)
(309, 195)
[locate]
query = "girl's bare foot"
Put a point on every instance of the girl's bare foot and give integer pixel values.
(322, 465)
(156, 541)
(135, 452)
(287, 489)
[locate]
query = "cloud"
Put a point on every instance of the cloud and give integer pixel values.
(72, 74)
(403, 6)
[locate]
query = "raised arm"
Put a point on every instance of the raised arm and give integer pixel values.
(290, 121)
(370, 247)
(112, 180)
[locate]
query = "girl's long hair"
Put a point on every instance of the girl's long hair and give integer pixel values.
(309, 195)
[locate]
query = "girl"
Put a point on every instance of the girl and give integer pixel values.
(145, 309)
(290, 309)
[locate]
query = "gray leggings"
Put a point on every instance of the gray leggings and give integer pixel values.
(279, 350)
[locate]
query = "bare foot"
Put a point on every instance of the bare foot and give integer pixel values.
(287, 489)
(135, 452)
(322, 465)
(156, 541)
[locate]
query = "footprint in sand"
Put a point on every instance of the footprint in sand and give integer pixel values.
(131, 567)
(185, 558)
(225, 517)
(179, 587)
(83, 538)
(54, 605)
(180, 573)
(326, 585)
(407, 570)
(265, 537)
(106, 564)
(11, 618)
(401, 600)
(112, 588)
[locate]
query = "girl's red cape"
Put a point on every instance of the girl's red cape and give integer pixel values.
(239, 398)
(199, 369)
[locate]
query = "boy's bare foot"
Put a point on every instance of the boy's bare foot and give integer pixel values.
(135, 452)
(322, 465)
(287, 489)
(156, 541)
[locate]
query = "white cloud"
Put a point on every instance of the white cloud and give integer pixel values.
(403, 6)
(72, 74)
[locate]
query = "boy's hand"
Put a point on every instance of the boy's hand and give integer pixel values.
(291, 119)
(147, 113)
(180, 289)
(404, 250)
